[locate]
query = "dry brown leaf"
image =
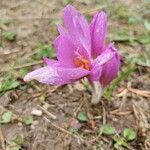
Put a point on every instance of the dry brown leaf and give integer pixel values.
(139, 92)
(120, 113)
(123, 92)
(2, 141)
(141, 118)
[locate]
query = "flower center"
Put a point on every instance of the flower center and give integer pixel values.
(82, 62)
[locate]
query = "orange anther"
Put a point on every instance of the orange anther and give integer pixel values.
(83, 63)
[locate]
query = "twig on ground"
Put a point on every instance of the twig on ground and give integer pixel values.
(122, 93)
(97, 117)
(117, 112)
(67, 132)
(123, 102)
(88, 107)
(139, 92)
(78, 108)
(2, 141)
(147, 145)
(141, 119)
(92, 10)
(54, 89)
(97, 139)
(21, 66)
(104, 115)
(5, 53)
(48, 113)
(70, 88)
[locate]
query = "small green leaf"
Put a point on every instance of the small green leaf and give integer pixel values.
(23, 72)
(143, 39)
(124, 36)
(98, 146)
(65, 2)
(13, 84)
(4, 22)
(147, 24)
(119, 142)
(11, 36)
(13, 146)
(121, 38)
(6, 117)
(82, 116)
(73, 130)
(134, 20)
(129, 134)
(19, 140)
(17, 147)
(8, 84)
(107, 129)
(45, 50)
(28, 120)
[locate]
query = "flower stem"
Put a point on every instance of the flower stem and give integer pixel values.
(97, 92)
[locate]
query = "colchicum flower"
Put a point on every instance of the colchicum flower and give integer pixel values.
(81, 52)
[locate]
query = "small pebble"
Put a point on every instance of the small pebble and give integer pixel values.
(60, 93)
(115, 119)
(64, 95)
(19, 124)
(36, 122)
(78, 86)
(32, 127)
(36, 112)
(46, 106)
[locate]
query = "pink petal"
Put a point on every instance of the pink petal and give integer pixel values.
(65, 50)
(62, 30)
(98, 29)
(56, 75)
(78, 28)
(99, 62)
(111, 68)
(50, 62)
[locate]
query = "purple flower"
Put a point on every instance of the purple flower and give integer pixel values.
(81, 52)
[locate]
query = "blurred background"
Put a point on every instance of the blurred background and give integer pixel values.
(27, 32)
(27, 26)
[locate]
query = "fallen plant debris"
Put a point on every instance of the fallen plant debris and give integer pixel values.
(2, 141)
(139, 92)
